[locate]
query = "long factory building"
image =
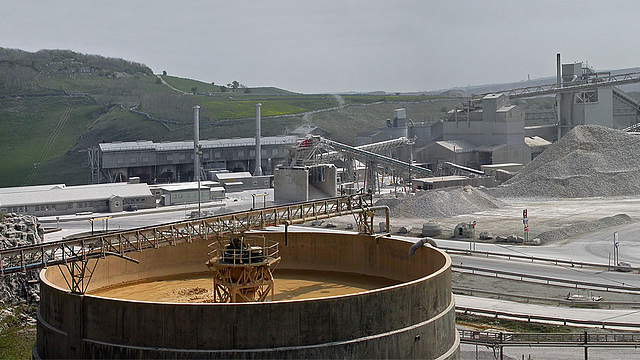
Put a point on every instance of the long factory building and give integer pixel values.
(168, 162)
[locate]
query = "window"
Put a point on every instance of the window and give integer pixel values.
(120, 161)
(240, 152)
(217, 154)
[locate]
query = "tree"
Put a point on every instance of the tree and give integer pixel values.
(194, 90)
(223, 88)
(213, 83)
(164, 72)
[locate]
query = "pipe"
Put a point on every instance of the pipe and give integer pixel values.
(558, 71)
(418, 244)
(196, 143)
(559, 96)
(258, 170)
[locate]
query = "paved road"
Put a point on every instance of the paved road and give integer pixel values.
(589, 275)
(630, 316)
(72, 224)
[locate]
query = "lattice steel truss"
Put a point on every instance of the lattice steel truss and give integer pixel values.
(67, 252)
(242, 268)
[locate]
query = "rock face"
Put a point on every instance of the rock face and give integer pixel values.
(18, 230)
(589, 161)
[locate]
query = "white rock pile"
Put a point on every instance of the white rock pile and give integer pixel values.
(441, 203)
(589, 161)
(18, 230)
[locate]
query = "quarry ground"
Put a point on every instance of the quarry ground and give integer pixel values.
(544, 215)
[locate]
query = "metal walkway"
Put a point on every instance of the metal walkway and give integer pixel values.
(76, 253)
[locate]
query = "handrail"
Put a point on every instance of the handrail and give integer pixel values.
(509, 256)
(549, 339)
(36, 256)
(546, 319)
(549, 280)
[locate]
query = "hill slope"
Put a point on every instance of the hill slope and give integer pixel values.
(54, 104)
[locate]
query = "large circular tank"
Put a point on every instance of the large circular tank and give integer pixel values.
(413, 319)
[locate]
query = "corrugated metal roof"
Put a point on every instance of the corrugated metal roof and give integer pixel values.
(188, 145)
(129, 145)
(506, 108)
(16, 189)
(533, 141)
(234, 175)
(490, 148)
(74, 194)
(458, 146)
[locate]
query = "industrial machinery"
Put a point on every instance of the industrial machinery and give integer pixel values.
(242, 268)
(315, 150)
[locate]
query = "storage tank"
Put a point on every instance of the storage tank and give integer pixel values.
(414, 317)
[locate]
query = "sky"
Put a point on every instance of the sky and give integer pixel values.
(329, 46)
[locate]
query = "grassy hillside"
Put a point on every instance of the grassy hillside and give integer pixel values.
(54, 104)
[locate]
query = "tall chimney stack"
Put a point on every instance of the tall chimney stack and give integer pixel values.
(258, 170)
(558, 71)
(196, 143)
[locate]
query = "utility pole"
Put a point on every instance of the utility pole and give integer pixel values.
(616, 246)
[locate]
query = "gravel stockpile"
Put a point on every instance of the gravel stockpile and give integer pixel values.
(584, 228)
(589, 161)
(441, 203)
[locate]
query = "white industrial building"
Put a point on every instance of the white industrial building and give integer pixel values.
(59, 199)
(187, 193)
(241, 181)
(169, 162)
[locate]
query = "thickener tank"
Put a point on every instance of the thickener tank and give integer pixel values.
(415, 318)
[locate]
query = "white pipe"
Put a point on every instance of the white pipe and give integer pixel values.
(196, 143)
(258, 170)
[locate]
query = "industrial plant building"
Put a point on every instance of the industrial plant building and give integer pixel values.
(168, 162)
(187, 193)
(59, 199)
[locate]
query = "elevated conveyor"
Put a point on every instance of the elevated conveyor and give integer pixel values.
(76, 253)
(361, 154)
(550, 89)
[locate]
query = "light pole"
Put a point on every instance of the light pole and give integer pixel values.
(199, 154)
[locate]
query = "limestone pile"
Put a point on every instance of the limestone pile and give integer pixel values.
(584, 228)
(18, 230)
(589, 161)
(441, 203)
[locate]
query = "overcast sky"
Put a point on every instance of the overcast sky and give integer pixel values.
(335, 45)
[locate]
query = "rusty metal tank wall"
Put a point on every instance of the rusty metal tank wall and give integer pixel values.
(414, 319)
